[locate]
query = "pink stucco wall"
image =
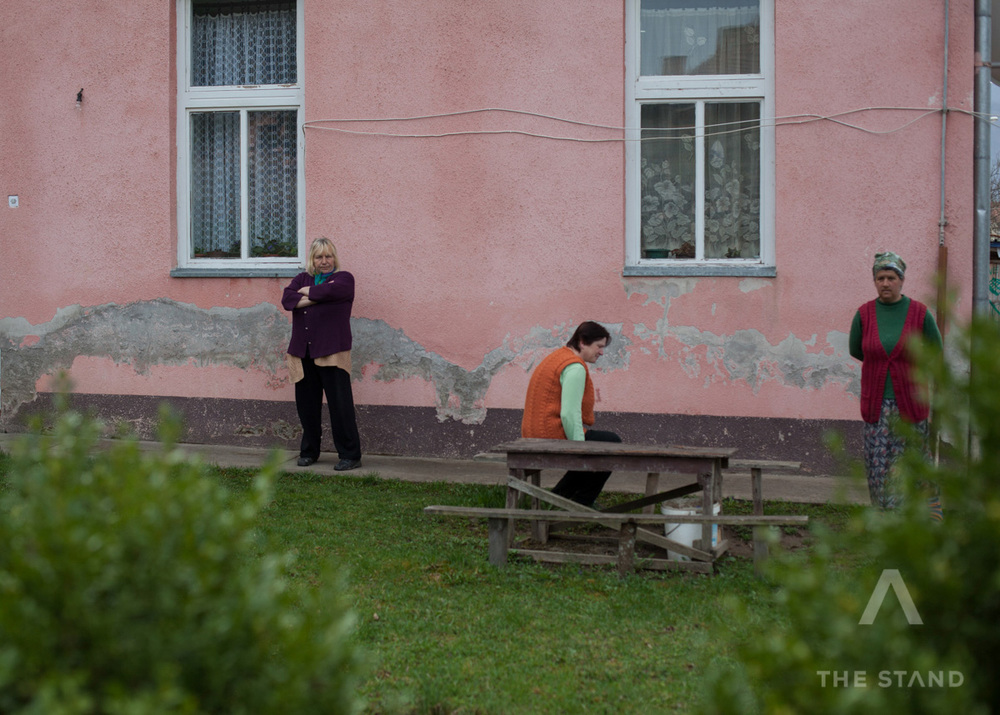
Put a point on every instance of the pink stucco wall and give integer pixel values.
(481, 251)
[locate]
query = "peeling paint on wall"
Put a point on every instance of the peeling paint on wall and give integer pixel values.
(745, 355)
(166, 332)
(750, 284)
(141, 334)
(461, 393)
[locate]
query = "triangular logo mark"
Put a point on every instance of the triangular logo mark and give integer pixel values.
(890, 577)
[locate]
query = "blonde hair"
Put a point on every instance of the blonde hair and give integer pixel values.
(320, 245)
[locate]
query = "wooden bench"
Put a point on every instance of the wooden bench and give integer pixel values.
(501, 520)
(756, 468)
(703, 466)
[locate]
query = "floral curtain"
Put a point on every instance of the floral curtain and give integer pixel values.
(731, 181)
(667, 180)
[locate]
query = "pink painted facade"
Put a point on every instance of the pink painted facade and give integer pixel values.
(478, 252)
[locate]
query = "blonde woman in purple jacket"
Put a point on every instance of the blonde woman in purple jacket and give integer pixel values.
(319, 354)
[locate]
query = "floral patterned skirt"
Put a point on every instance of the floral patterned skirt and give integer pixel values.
(882, 448)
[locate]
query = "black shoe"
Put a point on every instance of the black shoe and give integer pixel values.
(306, 461)
(345, 464)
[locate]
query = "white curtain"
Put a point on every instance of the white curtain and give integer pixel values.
(235, 44)
(241, 48)
(215, 184)
(272, 189)
(731, 186)
(732, 180)
(700, 41)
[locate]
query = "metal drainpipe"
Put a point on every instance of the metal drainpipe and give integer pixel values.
(981, 182)
(981, 162)
(942, 295)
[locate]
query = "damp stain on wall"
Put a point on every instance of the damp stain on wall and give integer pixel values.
(166, 332)
(744, 355)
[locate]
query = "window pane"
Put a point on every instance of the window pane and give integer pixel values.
(699, 37)
(732, 180)
(238, 42)
(215, 184)
(667, 181)
(271, 160)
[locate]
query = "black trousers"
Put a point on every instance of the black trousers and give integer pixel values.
(584, 487)
(336, 383)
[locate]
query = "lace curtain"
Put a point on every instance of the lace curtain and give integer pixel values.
(253, 45)
(678, 39)
(272, 173)
(731, 187)
(215, 184)
(239, 43)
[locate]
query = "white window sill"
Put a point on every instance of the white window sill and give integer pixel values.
(237, 272)
(753, 270)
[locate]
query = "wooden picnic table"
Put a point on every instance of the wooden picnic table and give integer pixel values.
(526, 458)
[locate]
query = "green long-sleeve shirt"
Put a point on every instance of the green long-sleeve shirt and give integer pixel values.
(573, 381)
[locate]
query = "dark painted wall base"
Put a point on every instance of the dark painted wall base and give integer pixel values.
(416, 431)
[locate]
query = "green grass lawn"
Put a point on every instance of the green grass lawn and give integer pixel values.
(448, 633)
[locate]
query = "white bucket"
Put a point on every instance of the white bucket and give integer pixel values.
(687, 534)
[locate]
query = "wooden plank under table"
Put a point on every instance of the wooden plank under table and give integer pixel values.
(527, 457)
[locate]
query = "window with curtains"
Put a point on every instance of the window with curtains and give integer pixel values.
(239, 128)
(699, 149)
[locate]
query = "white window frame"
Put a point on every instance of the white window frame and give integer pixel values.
(697, 90)
(190, 100)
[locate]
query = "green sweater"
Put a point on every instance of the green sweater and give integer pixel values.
(891, 317)
(573, 380)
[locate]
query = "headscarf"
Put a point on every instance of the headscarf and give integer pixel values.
(889, 261)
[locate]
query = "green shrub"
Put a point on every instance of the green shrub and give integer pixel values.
(132, 583)
(950, 569)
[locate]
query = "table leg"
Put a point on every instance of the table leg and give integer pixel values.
(513, 497)
(707, 504)
(626, 549)
(652, 487)
(539, 529)
(759, 543)
(711, 495)
(498, 540)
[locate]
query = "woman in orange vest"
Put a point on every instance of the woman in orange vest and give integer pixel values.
(560, 405)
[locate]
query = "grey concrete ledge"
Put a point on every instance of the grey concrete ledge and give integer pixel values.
(701, 269)
(263, 272)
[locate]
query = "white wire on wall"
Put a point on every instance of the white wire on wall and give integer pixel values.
(790, 120)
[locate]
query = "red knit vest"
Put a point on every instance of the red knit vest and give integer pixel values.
(877, 363)
(543, 402)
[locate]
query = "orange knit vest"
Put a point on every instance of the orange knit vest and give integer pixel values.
(543, 402)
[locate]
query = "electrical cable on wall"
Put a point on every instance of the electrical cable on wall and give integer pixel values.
(790, 120)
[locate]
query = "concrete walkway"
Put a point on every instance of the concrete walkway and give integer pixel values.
(490, 469)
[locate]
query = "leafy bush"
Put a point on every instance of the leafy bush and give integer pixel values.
(819, 657)
(132, 583)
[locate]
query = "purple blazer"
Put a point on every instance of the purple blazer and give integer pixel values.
(324, 328)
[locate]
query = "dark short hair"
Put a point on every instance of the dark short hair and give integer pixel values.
(588, 333)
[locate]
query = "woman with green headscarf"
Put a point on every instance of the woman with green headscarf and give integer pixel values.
(879, 334)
